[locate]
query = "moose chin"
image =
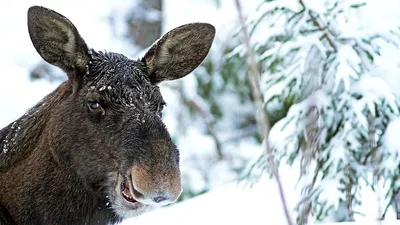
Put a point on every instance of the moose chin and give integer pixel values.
(95, 150)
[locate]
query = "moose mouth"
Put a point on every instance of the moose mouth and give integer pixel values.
(127, 193)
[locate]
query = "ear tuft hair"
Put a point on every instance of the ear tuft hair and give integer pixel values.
(179, 51)
(57, 40)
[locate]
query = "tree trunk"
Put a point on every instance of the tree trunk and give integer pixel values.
(144, 22)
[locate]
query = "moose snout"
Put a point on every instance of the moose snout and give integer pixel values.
(160, 186)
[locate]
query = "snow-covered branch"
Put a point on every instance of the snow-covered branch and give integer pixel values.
(262, 117)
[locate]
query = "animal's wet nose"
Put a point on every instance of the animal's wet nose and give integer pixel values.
(156, 188)
(159, 199)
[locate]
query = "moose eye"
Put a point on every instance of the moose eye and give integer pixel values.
(94, 105)
(161, 107)
(95, 110)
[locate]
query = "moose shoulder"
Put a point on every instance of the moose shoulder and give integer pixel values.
(95, 150)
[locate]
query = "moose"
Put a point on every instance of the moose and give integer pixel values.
(95, 150)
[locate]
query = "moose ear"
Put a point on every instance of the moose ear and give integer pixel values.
(57, 40)
(179, 51)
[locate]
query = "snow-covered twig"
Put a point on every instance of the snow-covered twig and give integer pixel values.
(262, 117)
(327, 34)
(311, 139)
(375, 162)
(204, 113)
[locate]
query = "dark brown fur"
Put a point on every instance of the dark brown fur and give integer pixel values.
(64, 161)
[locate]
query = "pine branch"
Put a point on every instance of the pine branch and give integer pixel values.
(375, 161)
(306, 210)
(262, 117)
(326, 33)
(205, 114)
(349, 184)
(312, 133)
(383, 216)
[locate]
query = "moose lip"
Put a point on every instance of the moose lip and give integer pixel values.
(126, 192)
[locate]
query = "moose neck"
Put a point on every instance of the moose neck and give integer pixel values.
(31, 165)
(22, 136)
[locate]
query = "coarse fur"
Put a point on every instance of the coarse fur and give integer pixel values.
(100, 134)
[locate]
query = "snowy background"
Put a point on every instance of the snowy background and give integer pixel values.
(229, 200)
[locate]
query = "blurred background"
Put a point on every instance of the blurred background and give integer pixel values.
(329, 82)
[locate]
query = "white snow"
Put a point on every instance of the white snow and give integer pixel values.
(230, 204)
(391, 136)
(238, 203)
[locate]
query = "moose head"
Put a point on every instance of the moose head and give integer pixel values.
(101, 132)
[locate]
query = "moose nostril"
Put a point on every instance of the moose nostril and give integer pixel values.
(159, 199)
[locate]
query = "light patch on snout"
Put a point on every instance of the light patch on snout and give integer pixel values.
(118, 203)
(156, 185)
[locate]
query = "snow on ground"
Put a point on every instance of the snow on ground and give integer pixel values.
(238, 203)
(231, 204)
